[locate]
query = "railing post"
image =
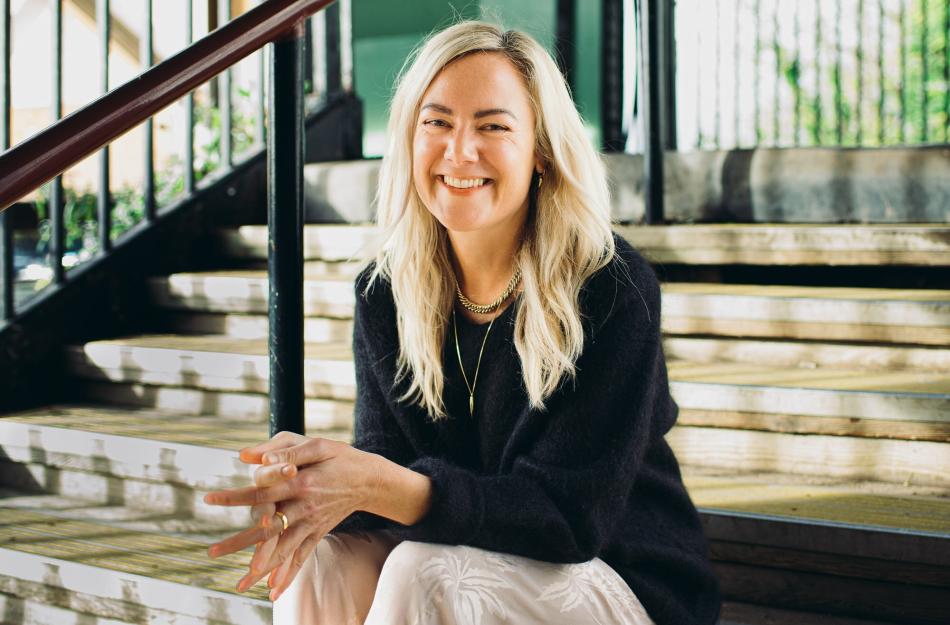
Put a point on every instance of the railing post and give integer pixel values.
(55, 206)
(334, 70)
(565, 43)
(285, 232)
(6, 233)
(650, 46)
(611, 72)
(224, 94)
(147, 55)
(105, 200)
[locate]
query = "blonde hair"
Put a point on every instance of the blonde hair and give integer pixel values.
(567, 238)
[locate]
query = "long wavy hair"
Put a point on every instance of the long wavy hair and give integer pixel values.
(567, 237)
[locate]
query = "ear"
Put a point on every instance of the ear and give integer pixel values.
(538, 165)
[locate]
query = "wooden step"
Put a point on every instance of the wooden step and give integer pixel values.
(907, 316)
(210, 362)
(252, 326)
(833, 549)
(888, 404)
(737, 613)
(334, 243)
(52, 566)
(319, 414)
(695, 244)
(140, 459)
(911, 316)
(793, 244)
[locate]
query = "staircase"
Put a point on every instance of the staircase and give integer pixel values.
(813, 431)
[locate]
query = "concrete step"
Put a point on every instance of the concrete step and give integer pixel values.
(906, 316)
(57, 567)
(160, 462)
(699, 244)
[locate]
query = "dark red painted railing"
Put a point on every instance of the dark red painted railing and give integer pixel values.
(30, 164)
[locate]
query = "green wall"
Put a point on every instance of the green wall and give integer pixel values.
(385, 32)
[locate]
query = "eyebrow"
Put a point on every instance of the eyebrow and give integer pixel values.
(478, 114)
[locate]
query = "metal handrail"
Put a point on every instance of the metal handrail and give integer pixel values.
(61, 145)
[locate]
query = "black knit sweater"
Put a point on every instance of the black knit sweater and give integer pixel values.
(590, 476)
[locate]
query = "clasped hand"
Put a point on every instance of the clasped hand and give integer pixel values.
(314, 482)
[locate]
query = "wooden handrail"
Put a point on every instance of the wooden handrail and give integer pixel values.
(38, 159)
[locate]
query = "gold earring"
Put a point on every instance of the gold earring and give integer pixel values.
(540, 178)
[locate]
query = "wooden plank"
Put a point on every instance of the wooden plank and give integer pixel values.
(912, 462)
(830, 564)
(831, 426)
(252, 327)
(903, 603)
(830, 537)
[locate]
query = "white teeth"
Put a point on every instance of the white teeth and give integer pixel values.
(463, 183)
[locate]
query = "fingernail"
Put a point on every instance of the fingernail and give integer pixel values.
(274, 595)
(287, 470)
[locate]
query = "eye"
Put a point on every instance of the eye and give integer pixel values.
(437, 123)
(495, 127)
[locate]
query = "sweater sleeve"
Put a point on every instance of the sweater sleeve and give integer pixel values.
(567, 488)
(375, 429)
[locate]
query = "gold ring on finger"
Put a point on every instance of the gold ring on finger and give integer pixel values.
(283, 519)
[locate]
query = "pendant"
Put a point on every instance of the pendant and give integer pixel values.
(471, 405)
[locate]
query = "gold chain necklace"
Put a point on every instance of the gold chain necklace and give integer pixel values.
(487, 308)
(478, 364)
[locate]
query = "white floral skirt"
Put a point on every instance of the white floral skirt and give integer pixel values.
(373, 578)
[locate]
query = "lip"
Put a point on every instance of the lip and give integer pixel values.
(469, 191)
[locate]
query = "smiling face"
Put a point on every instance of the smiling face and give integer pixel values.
(473, 149)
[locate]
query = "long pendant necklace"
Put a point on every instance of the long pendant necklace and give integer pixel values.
(478, 363)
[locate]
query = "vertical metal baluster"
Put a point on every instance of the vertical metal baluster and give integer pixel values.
(776, 103)
(882, 87)
(55, 206)
(334, 79)
(105, 200)
(6, 227)
(667, 72)
(816, 131)
(902, 91)
(735, 72)
(261, 91)
(946, 72)
(566, 36)
(347, 73)
(285, 233)
(924, 72)
(859, 60)
(653, 109)
(147, 55)
(189, 159)
(797, 123)
(839, 101)
(699, 77)
(611, 76)
(756, 95)
(717, 107)
(224, 94)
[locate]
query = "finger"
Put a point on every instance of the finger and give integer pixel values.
(290, 539)
(239, 541)
(251, 495)
(307, 452)
(253, 454)
(267, 475)
(286, 573)
(262, 553)
(262, 513)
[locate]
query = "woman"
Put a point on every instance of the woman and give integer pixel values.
(509, 462)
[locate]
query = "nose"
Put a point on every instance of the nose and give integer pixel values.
(461, 147)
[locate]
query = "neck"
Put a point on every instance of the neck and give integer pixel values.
(484, 262)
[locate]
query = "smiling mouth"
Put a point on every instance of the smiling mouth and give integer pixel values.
(464, 183)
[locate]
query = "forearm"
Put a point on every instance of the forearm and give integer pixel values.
(399, 493)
